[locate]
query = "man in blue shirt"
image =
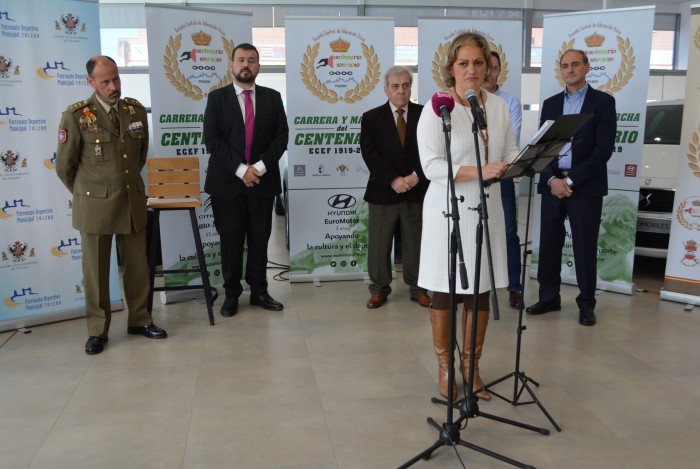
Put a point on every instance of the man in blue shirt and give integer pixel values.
(573, 187)
(510, 213)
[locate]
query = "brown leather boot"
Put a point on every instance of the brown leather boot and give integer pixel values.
(440, 322)
(482, 323)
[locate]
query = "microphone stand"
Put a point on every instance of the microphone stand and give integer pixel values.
(468, 407)
(534, 159)
(519, 376)
(449, 432)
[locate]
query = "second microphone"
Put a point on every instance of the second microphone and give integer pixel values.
(477, 111)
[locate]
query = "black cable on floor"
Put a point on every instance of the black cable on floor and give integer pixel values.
(279, 276)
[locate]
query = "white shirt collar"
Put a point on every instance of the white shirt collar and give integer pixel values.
(240, 90)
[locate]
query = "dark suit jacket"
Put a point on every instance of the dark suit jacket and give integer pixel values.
(224, 134)
(387, 159)
(592, 145)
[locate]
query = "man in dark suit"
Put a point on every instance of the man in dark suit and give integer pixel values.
(102, 147)
(574, 187)
(246, 133)
(396, 187)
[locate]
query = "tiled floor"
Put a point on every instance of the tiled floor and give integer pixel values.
(328, 383)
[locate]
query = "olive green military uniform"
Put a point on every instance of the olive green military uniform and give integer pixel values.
(101, 166)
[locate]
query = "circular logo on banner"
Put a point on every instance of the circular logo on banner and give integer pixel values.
(198, 67)
(340, 70)
(611, 68)
(688, 213)
(440, 60)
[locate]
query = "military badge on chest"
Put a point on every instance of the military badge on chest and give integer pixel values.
(88, 121)
(135, 129)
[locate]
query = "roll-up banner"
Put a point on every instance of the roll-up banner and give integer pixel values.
(618, 45)
(45, 45)
(335, 72)
(436, 34)
(189, 51)
(682, 279)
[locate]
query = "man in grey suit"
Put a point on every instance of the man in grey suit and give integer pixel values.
(102, 147)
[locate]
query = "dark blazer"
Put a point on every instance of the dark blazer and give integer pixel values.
(592, 146)
(224, 135)
(387, 159)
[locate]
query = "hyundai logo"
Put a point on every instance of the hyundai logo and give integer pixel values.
(341, 201)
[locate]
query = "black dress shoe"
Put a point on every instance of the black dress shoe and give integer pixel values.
(151, 331)
(230, 307)
(542, 307)
(95, 345)
(265, 301)
(586, 317)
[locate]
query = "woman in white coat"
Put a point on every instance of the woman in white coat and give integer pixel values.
(466, 68)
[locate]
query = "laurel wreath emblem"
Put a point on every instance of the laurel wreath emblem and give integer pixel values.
(694, 165)
(693, 150)
(697, 39)
(681, 219)
(440, 60)
(178, 80)
(621, 77)
(318, 89)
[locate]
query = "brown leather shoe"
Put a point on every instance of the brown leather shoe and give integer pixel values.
(516, 299)
(423, 299)
(375, 301)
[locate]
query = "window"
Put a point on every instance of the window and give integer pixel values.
(127, 46)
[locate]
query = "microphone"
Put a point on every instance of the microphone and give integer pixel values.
(443, 104)
(477, 112)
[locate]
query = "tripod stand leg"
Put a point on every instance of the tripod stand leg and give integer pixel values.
(543, 431)
(424, 455)
(527, 378)
(500, 457)
(523, 380)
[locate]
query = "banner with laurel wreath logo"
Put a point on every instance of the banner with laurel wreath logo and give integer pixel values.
(617, 43)
(190, 51)
(335, 73)
(682, 279)
(435, 36)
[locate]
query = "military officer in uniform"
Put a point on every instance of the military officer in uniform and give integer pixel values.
(102, 147)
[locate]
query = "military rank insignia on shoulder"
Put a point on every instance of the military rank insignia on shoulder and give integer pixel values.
(134, 102)
(75, 106)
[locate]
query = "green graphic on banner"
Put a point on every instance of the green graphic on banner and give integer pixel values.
(343, 253)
